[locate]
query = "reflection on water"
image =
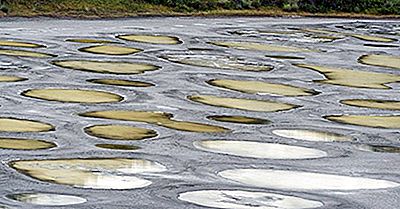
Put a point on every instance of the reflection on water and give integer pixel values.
(102, 173)
(246, 200)
(258, 150)
(378, 148)
(47, 199)
(104, 181)
(310, 135)
(297, 180)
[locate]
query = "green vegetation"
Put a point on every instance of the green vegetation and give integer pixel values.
(118, 8)
(356, 6)
(3, 7)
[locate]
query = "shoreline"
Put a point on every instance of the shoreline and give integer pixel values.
(210, 14)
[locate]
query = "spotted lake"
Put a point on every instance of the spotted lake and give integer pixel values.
(266, 113)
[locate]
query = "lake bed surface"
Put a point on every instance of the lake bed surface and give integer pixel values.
(200, 112)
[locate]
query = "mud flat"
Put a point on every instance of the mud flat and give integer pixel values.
(249, 113)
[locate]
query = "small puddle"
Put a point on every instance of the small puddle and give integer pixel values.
(239, 119)
(287, 36)
(258, 150)
(73, 95)
(353, 78)
(372, 38)
(7, 78)
(259, 46)
(119, 82)
(192, 126)
(157, 118)
(298, 180)
(318, 30)
(242, 104)
(382, 45)
(110, 50)
(152, 39)
(90, 41)
(48, 199)
(92, 173)
(259, 87)
(247, 32)
(381, 60)
(326, 38)
(246, 200)
(21, 125)
(358, 36)
(218, 62)
(20, 44)
(25, 144)
(120, 132)
(369, 103)
(378, 148)
(118, 147)
(122, 68)
(285, 57)
(375, 121)
(311, 135)
(22, 53)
